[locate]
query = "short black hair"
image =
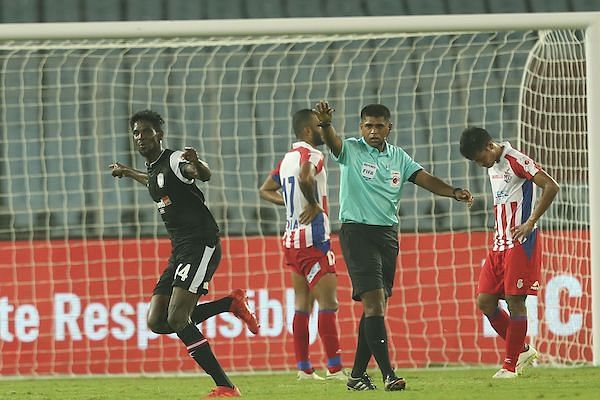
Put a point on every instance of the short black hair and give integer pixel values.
(150, 116)
(302, 119)
(472, 141)
(375, 110)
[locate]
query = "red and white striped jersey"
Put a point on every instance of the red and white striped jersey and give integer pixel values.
(286, 174)
(514, 193)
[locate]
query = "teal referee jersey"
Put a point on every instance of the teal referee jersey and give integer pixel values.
(371, 181)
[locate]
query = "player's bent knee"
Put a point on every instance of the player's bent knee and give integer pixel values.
(486, 304)
(155, 321)
(516, 305)
(153, 325)
(177, 322)
(374, 309)
(328, 304)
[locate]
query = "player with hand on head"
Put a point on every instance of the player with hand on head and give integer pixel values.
(196, 248)
(373, 172)
(301, 178)
(512, 267)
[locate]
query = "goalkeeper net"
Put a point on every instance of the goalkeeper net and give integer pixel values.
(81, 250)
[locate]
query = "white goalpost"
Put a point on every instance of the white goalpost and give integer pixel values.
(80, 251)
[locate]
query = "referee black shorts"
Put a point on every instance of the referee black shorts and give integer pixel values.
(370, 252)
(191, 267)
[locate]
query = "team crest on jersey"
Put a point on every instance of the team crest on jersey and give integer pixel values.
(160, 180)
(395, 181)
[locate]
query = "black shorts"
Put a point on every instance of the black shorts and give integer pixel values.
(370, 252)
(190, 267)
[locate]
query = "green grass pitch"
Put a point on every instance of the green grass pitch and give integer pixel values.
(444, 384)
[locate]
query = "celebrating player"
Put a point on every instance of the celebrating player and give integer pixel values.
(511, 269)
(372, 174)
(196, 249)
(301, 178)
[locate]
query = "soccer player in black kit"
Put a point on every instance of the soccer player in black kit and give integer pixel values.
(196, 249)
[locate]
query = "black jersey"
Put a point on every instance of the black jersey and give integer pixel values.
(179, 201)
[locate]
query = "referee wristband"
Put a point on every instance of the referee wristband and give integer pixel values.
(454, 193)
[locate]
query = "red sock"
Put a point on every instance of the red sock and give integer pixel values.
(515, 338)
(331, 341)
(499, 321)
(300, 329)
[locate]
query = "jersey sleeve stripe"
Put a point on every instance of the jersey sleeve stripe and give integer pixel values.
(275, 173)
(174, 161)
(518, 168)
(304, 154)
(319, 165)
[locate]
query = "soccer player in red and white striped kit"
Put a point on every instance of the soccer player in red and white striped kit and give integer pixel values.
(511, 269)
(299, 182)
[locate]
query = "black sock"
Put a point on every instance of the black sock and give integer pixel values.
(200, 351)
(377, 339)
(363, 352)
(206, 310)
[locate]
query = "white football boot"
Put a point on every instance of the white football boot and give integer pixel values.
(504, 374)
(526, 358)
(303, 376)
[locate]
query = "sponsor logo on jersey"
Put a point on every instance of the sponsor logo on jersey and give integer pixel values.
(368, 170)
(501, 195)
(164, 201)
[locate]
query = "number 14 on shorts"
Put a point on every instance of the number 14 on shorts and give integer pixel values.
(182, 271)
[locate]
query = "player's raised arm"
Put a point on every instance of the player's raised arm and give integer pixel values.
(324, 113)
(549, 190)
(439, 187)
(120, 170)
(269, 191)
(196, 168)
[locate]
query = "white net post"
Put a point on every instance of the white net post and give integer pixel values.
(553, 131)
(593, 101)
(81, 251)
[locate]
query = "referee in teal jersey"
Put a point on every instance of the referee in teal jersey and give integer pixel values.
(372, 174)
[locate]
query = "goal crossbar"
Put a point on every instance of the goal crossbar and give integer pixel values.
(296, 26)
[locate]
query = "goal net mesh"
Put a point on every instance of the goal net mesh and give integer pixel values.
(81, 250)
